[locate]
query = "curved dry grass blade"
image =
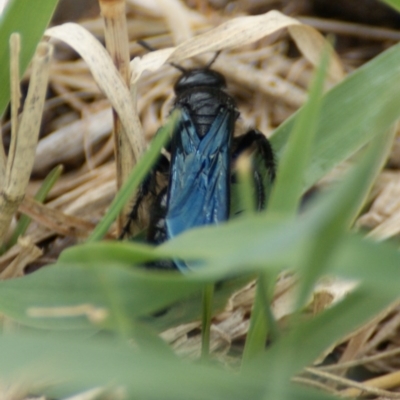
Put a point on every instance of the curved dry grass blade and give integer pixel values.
(117, 44)
(22, 151)
(239, 32)
(106, 76)
(311, 44)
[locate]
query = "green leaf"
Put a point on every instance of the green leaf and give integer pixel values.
(338, 211)
(129, 253)
(244, 244)
(77, 296)
(262, 321)
(30, 22)
(374, 263)
(288, 187)
(82, 365)
(306, 341)
(393, 3)
(140, 374)
(364, 104)
(190, 309)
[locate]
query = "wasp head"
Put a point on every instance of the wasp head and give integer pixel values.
(199, 77)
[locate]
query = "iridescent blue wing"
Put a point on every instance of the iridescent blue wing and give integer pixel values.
(199, 184)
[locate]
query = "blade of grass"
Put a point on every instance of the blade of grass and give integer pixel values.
(306, 341)
(136, 177)
(288, 187)
(338, 212)
(21, 154)
(262, 321)
(393, 3)
(77, 296)
(358, 108)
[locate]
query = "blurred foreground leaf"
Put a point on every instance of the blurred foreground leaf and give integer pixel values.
(366, 103)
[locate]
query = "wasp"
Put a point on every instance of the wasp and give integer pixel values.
(201, 168)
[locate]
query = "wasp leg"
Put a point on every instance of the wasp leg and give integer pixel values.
(157, 232)
(148, 187)
(259, 147)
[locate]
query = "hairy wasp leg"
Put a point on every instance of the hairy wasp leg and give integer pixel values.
(148, 186)
(255, 141)
(157, 232)
(257, 144)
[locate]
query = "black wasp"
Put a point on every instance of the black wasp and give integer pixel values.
(201, 169)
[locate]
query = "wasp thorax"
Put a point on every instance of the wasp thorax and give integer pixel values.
(199, 77)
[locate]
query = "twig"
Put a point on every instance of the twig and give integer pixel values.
(314, 384)
(352, 29)
(361, 361)
(357, 389)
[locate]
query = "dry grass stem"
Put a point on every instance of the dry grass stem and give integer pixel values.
(351, 29)
(117, 44)
(361, 361)
(22, 150)
(371, 387)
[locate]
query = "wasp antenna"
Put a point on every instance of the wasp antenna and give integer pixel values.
(211, 62)
(148, 47)
(145, 45)
(179, 67)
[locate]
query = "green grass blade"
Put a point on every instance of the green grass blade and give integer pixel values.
(123, 252)
(306, 341)
(112, 296)
(136, 177)
(262, 321)
(339, 210)
(364, 104)
(30, 21)
(393, 3)
(190, 309)
(288, 187)
(82, 365)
